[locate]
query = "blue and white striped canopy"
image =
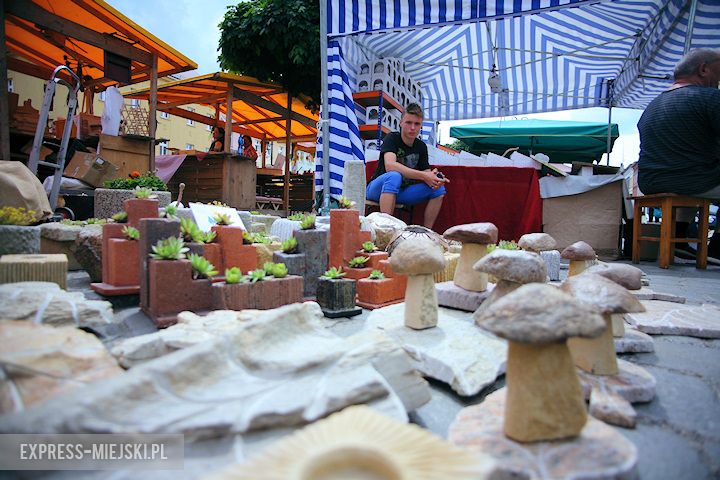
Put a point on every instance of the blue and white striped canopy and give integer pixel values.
(550, 54)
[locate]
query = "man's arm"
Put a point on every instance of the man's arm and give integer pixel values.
(392, 165)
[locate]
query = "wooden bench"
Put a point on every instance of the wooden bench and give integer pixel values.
(262, 203)
(407, 209)
(667, 203)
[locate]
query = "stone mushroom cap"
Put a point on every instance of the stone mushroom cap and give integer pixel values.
(540, 313)
(537, 242)
(419, 256)
(603, 295)
(625, 275)
(412, 232)
(578, 251)
(513, 265)
(482, 233)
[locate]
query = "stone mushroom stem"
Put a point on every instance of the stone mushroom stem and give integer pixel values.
(596, 355)
(544, 397)
(421, 304)
(578, 266)
(465, 277)
(502, 288)
(618, 324)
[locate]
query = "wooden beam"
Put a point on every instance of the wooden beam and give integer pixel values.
(34, 13)
(205, 120)
(4, 104)
(152, 114)
(259, 120)
(206, 100)
(273, 107)
(228, 120)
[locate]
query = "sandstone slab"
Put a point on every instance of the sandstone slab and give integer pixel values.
(455, 352)
(600, 452)
(668, 318)
(60, 238)
(451, 296)
(646, 293)
(19, 239)
(88, 251)
(634, 341)
(270, 373)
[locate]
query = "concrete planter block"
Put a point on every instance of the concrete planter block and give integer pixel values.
(374, 258)
(336, 298)
(264, 252)
(354, 183)
(213, 253)
(246, 218)
(263, 295)
(345, 238)
(151, 231)
(235, 254)
(284, 228)
(137, 208)
(314, 245)
(374, 294)
(108, 201)
(552, 262)
(60, 238)
(295, 262)
(34, 268)
(120, 264)
(172, 290)
(267, 220)
(19, 239)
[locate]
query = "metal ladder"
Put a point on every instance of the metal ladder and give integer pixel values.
(59, 164)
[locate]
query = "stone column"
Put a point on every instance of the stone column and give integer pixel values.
(314, 244)
(151, 231)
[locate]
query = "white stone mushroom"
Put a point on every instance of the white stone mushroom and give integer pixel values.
(475, 238)
(624, 275)
(419, 259)
(544, 397)
(537, 242)
(581, 256)
(512, 268)
(597, 355)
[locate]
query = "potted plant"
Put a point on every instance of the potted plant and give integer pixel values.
(370, 251)
(291, 257)
(336, 295)
(261, 289)
(357, 268)
(378, 291)
(237, 248)
(143, 205)
(109, 200)
(123, 266)
(16, 233)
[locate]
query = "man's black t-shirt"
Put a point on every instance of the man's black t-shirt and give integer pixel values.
(680, 142)
(415, 156)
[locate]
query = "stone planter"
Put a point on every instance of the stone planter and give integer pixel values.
(374, 258)
(108, 201)
(213, 252)
(235, 254)
(357, 273)
(295, 262)
(314, 245)
(264, 252)
(60, 238)
(172, 290)
(380, 293)
(263, 295)
(336, 297)
(266, 220)
(152, 230)
(116, 266)
(19, 239)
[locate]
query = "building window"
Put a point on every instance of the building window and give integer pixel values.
(10, 85)
(101, 96)
(164, 115)
(163, 148)
(134, 102)
(189, 146)
(190, 122)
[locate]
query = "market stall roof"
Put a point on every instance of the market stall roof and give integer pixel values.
(42, 34)
(259, 109)
(560, 140)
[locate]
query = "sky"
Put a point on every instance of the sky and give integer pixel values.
(191, 27)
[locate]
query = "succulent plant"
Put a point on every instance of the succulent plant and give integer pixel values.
(142, 192)
(261, 237)
(268, 267)
(219, 204)
(358, 262)
(279, 270)
(221, 219)
(234, 275)
(95, 221)
(202, 268)
(289, 245)
(172, 248)
(171, 211)
(248, 238)
(334, 273)
(207, 237)
(504, 245)
(188, 229)
(120, 217)
(376, 275)
(131, 233)
(17, 216)
(296, 217)
(308, 222)
(345, 203)
(369, 247)
(257, 275)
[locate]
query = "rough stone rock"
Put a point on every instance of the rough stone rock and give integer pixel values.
(620, 273)
(108, 201)
(578, 251)
(600, 452)
(646, 293)
(46, 303)
(451, 296)
(60, 238)
(612, 408)
(667, 318)
(88, 251)
(537, 242)
(19, 239)
(41, 362)
(267, 220)
(385, 226)
(456, 352)
(513, 265)
(270, 373)
(634, 341)
(417, 257)
(552, 263)
(482, 233)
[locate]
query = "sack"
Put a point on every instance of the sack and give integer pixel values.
(20, 188)
(112, 114)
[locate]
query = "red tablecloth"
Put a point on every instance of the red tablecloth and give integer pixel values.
(508, 197)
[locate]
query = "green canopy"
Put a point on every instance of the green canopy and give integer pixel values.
(563, 142)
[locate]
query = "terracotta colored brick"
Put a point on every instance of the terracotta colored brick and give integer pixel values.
(375, 258)
(357, 273)
(139, 208)
(173, 290)
(235, 254)
(109, 231)
(380, 292)
(214, 254)
(262, 295)
(123, 265)
(344, 236)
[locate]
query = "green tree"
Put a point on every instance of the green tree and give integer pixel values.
(458, 145)
(274, 40)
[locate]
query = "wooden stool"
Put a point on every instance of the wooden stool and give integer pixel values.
(667, 202)
(408, 209)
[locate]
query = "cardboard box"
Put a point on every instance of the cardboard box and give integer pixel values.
(90, 168)
(593, 217)
(127, 153)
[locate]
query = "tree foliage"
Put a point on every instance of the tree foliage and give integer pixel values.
(274, 40)
(458, 145)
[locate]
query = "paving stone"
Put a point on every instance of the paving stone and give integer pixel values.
(600, 452)
(634, 341)
(456, 352)
(673, 352)
(647, 293)
(668, 318)
(451, 296)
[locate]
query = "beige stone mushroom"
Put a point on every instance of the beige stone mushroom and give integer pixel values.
(475, 238)
(624, 275)
(597, 356)
(512, 268)
(581, 256)
(419, 259)
(413, 232)
(544, 397)
(537, 242)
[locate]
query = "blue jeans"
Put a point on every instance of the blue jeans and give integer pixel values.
(390, 182)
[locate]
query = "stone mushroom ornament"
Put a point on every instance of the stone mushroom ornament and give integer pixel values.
(512, 268)
(475, 238)
(544, 397)
(624, 275)
(537, 242)
(419, 259)
(597, 355)
(581, 256)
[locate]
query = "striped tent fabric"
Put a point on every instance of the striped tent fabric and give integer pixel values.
(550, 55)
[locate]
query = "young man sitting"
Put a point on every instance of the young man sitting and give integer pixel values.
(403, 174)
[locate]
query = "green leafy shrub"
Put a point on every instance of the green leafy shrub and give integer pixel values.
(334, 273)
(17, 216)
(120, 217)
(504, 245)
(345, 203)
(257, 275)
(234, 275)
(376, 275)
(131, 233)
(172, 248)
(369, 247)
(358, 262)
(147, 180)
(202, 268)
(296, 217)
(289, 245)
(308, 222)
(221, 219)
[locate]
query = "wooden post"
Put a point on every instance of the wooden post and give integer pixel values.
(263, 147)
(288, 152)
(152, 116)
(4, 105)
(228, 118)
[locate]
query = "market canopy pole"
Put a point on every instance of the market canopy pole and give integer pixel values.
(4, 104)
(690, 27)
(288, 152)
(152, 115)
(324, 114)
